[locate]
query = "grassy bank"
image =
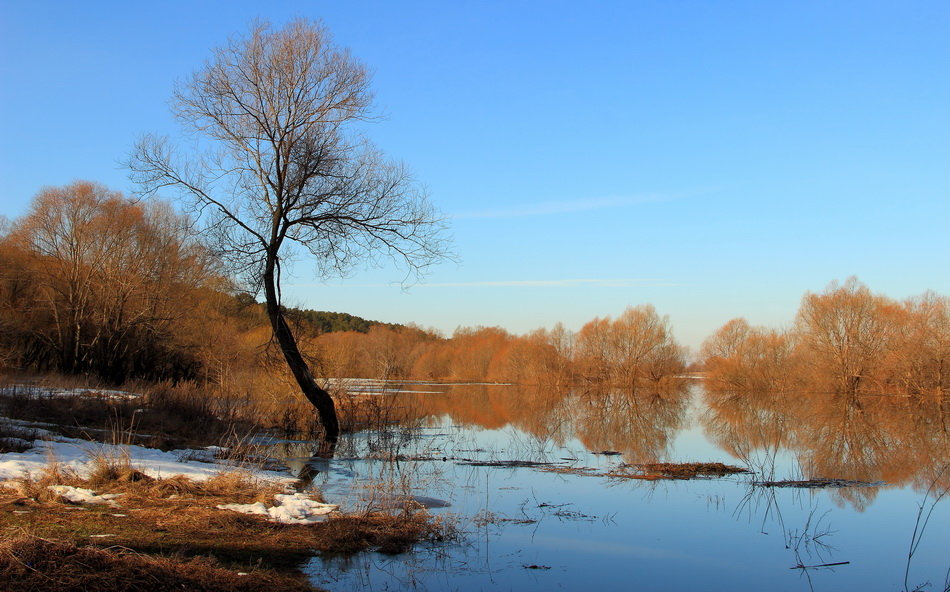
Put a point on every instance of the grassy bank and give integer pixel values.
(158, 534)
(138, 532)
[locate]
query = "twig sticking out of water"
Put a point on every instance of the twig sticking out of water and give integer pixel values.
(503, 463)
(922, 519)
(800, 566)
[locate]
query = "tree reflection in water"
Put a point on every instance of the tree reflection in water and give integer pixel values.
(898, 442)
(640, 422)
(890, 439)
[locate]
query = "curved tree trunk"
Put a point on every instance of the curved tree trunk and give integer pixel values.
(318, 397)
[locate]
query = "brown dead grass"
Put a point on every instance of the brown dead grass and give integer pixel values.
(818, 483)
(137, 487)
(689, 470)
(171, 528)
(654, 471)
(180, 526)
(386, 533)
(37, 487)
(164, 415)
(31, 563)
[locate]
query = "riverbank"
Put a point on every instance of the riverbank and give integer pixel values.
(79, 514)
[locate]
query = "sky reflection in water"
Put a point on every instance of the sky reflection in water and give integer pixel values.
(529, 529)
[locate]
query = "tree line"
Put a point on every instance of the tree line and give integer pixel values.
(843, 340)
(99, 284)
(322, 321)
(634, 350)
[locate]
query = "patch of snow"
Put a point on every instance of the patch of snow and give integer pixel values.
(257, 508)
(17, 442)
(79, 495)
(44, 392)
(367, 393)
(77, 455)
(295, 508)
(377, 386)
(26, 429)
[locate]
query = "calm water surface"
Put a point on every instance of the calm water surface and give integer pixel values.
(527, 528)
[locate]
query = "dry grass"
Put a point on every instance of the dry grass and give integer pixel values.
(688, 470)
(32, 563)
(818, 483)
(654, 471)
(193, 415)
(170, 528)
(383, 532)
(37, 487)
(189, 414)
(172, 416)
(373, 412)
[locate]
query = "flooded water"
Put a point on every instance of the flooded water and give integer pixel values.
(569, 525)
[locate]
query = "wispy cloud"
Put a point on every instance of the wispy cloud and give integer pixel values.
(562, 283)
(561, 207)
(567, 283)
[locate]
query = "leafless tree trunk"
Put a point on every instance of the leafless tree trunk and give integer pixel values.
(317, 396)
(278, 169)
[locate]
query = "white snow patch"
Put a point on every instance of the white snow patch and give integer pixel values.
(30, 428)
(78, 455)
(295, 508)
(17, 442)
(79, 495)
(45, 392)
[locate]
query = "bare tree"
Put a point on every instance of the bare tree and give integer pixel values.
(846, 332)
(92, 282)
(278, 168)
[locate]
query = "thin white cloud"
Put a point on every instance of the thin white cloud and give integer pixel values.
(566, 283)
(562, 283)
(560, 207)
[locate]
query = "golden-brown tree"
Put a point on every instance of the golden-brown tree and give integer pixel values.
(100, 284)
(921, 363)
(845, 333)
(638, 346)
(845, 340)
(740, 357)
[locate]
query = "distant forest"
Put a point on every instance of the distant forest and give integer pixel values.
(320, 321)
(96, 285)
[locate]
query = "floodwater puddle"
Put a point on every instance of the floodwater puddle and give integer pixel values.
(754, 491)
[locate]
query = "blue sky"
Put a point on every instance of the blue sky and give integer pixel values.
(715, 159)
